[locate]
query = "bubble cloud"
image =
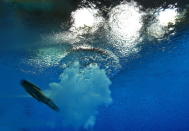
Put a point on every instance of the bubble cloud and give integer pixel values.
(79, 94)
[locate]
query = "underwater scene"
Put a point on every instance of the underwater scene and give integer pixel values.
(87, 65)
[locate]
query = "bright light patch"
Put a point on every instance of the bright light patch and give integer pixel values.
(85, 20)
(165, 20)
(79, 94)
(167, 16)
(125, 24)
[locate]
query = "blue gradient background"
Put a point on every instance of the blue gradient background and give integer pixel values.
(151, 93)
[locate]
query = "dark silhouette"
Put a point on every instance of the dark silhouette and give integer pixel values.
(37, 93)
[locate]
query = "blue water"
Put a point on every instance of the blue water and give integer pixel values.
(150, 93)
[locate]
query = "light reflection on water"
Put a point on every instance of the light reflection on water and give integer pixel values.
(121, 34)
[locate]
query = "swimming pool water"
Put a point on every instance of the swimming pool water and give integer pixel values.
(149, 88)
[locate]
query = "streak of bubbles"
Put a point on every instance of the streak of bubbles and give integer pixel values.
(86, 55)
